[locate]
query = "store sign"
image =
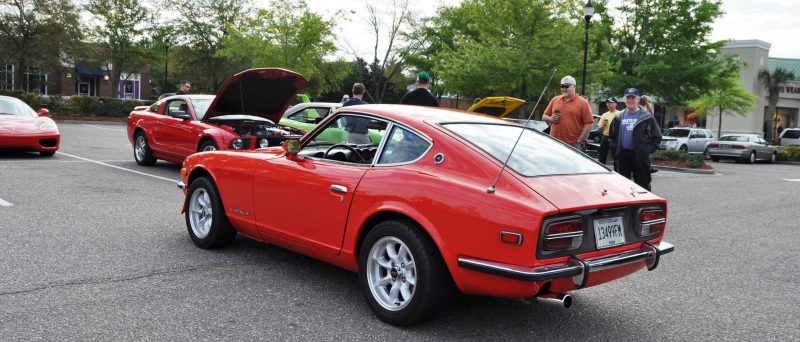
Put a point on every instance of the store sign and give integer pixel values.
(792, 90)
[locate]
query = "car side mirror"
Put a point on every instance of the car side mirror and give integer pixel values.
(180, 115)
(292, 147)
(43, 112)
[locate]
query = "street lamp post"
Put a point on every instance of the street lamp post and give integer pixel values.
(166, 61)
(588, 12)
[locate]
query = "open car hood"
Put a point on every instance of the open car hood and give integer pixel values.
(265, 92)
(498, 106)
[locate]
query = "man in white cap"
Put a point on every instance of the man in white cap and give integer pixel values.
(569, 115)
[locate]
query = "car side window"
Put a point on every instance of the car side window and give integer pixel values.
(403, 146)
(309, 115)
(177, 106)
(709, 134)
(348, 138)
(697, 135)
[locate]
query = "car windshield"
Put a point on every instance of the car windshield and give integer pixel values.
(739, 138)
(12, 106)
(201, 107)
(536, 154)
(677, 133)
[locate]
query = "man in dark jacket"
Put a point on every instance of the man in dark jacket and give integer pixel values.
(421, 96)
(634, 134)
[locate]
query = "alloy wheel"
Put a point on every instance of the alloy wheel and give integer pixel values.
(139, 147)
(200, 213)
(391, 273)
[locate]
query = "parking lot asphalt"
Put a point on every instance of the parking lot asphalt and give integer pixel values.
(94, 248)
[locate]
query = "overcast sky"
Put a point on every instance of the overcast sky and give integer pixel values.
(773, 21)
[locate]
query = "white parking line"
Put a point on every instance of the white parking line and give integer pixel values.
(60, 161)
(4, 203)
(792, 180)
(119, 168)
(110, 129)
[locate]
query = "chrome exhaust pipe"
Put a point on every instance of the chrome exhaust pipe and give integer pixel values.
(562, 300)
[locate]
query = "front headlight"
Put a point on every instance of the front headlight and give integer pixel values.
(237, 144)
(262, 143)
(47, 127)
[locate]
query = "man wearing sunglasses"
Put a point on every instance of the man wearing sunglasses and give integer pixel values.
(569, 115)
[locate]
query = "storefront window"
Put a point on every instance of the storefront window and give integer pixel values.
(35, 80)
(7, 77)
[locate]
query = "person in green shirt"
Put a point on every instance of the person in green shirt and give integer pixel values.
(605, 124)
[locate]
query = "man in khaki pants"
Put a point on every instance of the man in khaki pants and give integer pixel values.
(605, 124)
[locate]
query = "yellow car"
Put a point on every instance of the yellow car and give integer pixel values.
(499, 106)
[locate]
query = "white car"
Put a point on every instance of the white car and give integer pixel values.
(686, 139)
(789, 137)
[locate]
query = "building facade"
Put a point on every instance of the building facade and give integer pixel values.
(77, 80)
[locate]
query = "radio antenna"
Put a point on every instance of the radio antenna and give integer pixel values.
(492, 188)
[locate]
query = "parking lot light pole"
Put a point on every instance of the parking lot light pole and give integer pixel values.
(166, 61)
(588, 12)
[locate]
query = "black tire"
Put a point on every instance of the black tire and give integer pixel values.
(773, 158)
(219, 232)
(715, 159)
(432, 282)
(141, 150)
(208, 145)
(684, 149)
(752, 158)
(47, 153)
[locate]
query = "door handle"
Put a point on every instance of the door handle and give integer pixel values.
(339, 188)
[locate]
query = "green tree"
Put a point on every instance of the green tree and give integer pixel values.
(118, 28)
(287, 34)
(513, 54)
(198, 37)
(662, 47)
(38, 33)
(773, 81)
(725, 95)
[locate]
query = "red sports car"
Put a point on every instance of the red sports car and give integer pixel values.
(23, 128)
(241, 116)
(444, 198)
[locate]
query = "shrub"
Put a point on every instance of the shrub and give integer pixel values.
(81, 105)
(789, 153)
(691, 160)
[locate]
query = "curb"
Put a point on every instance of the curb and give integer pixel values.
(787, 162)
(684, 170)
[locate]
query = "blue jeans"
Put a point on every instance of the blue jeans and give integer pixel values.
(602, 153)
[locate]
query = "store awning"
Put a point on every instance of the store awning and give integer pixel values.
(88, 71)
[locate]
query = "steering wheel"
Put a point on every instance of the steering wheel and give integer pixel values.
(348, 147)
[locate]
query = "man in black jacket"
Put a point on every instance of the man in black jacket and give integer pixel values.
(633, 136)
(421, 96)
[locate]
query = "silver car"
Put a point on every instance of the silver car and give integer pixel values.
(686, 139)
(742, 147)
(789, 137)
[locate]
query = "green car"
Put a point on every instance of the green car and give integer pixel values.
(306, 116)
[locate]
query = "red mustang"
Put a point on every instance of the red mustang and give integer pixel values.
(241, 116)
(440, 199)
(23, 128)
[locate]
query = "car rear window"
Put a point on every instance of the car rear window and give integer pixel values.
(536, 154)
(739, 138)
(791, 134)
(678, 133)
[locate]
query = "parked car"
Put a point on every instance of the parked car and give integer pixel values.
(23, 128)
(686, 139)
(742, 147)
(499, 106)
(241, 116)
(789, 137)
(307, 115)
(430, 205)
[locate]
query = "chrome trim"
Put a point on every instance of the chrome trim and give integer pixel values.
(511, 233)
(652, 222)
(438, 158)
(181, 185)
(557, 271)
(557, 236)
(339, 188)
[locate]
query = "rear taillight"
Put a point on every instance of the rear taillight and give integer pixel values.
(651, 221)
(738, 147)
(563, 235)
(714, 145)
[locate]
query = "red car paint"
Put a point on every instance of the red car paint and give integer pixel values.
(248, 95)
(24, 131)
(287, 201)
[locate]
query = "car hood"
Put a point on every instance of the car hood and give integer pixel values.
(498, 106)
(265, 92)
(12, 124)
(576, 192)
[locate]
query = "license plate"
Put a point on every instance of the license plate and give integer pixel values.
(725, 145)
(609, 232)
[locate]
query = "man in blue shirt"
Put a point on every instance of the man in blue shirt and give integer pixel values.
(634, 134)
(356, 126)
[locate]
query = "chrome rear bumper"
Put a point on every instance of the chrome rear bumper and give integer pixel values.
(576, 267)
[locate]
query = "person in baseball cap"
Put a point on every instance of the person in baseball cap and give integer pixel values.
(569, 115)
(605, 125)
(421, 96)
(634, 134)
